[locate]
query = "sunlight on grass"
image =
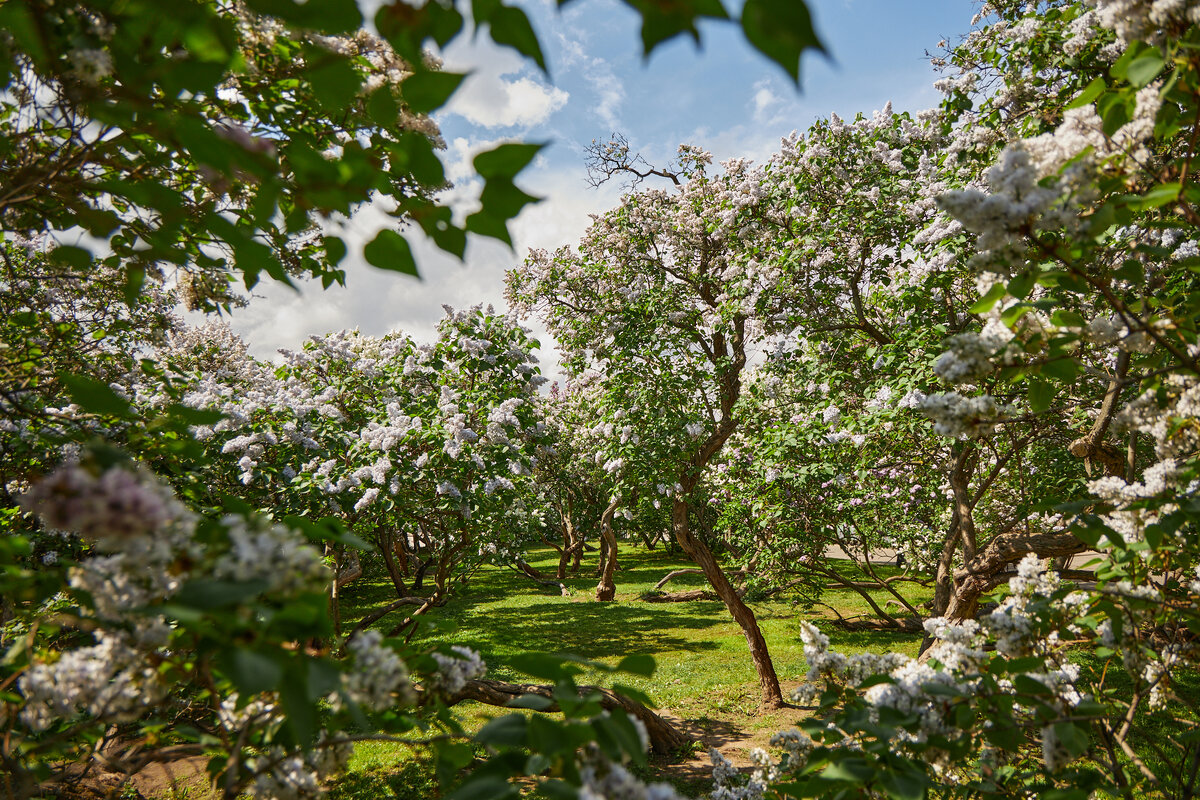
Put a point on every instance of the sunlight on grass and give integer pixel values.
(704, 673)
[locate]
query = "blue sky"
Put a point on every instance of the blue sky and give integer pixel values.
(724, 97)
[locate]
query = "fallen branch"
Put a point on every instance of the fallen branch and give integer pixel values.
(665, 738)
(380, 613)
(903, 624)
(537, 577)
(675, 574)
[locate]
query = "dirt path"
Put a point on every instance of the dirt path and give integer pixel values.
(733, 738)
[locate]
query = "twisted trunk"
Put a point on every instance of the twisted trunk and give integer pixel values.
(982, 573)
(606, 590)
(768, 681)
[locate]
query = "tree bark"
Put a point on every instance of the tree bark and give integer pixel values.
(980, 573)
(675, 574)
(943, 587)
(768, 681)
(665, 738)
(388, 544)
(606, 590)
(679, 597)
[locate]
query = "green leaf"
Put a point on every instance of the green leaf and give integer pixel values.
(427, 91)
(634, 694)
(1014, 312)
(72, 256)
(1158, 196)
(506, 160)
(1115, 111)
(213, 594)
(533, 701)
(507, 731)
(1020, 286)
(335, 83)
(1065, 318)
(904, 784)
(382, 106)
(985, 303)
(389, 250)
(94, 396)
(852, 769)
(1144, 68)
(662, 21)
(407, 26)
(509, 26)
(1072, 736)
(1061, 369)
(251, 671)
(1088, 93)
(484, 787)
(540, 665)
(195, 416)
(781, 30)
(412, 157)
(326, 16)
(638, 664)
(300, 711)
(1041, 395)
(335, 249)
(502, 201)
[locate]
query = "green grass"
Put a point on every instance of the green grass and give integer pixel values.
(704, 673)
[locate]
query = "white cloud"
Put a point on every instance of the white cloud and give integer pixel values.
(487, 99)
(497, 94)
(764, 99)
(376, 301)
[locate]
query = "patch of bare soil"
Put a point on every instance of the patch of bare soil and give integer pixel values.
(734, 737)
(183, 778)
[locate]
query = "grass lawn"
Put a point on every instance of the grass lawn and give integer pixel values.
(705, 678)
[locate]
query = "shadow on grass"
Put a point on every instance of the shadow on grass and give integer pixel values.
(406, 780)
(598, 629)
(870, 640)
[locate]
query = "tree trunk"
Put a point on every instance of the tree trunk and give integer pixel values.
(568, 532)
(675, 574)
(387, 542)
(980, 573)
(685, 596)
(943, 588)
(607, 588)
(772, 695)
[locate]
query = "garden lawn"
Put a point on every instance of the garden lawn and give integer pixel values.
(704, 678)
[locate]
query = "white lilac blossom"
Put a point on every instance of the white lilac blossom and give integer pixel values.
(730, 784)
(109, 509)
(955, 663)
(300, 776)
(957, 416)
(377, 678)
(273, 555)
(110, 680)
(455, 670)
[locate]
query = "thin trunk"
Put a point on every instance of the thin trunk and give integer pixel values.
(943, 589)
(335, 605)
(675, 574)
(607, 588)
(385, 539)
(400, 548)
(768, 682)
(419, 578)
(568, 532)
